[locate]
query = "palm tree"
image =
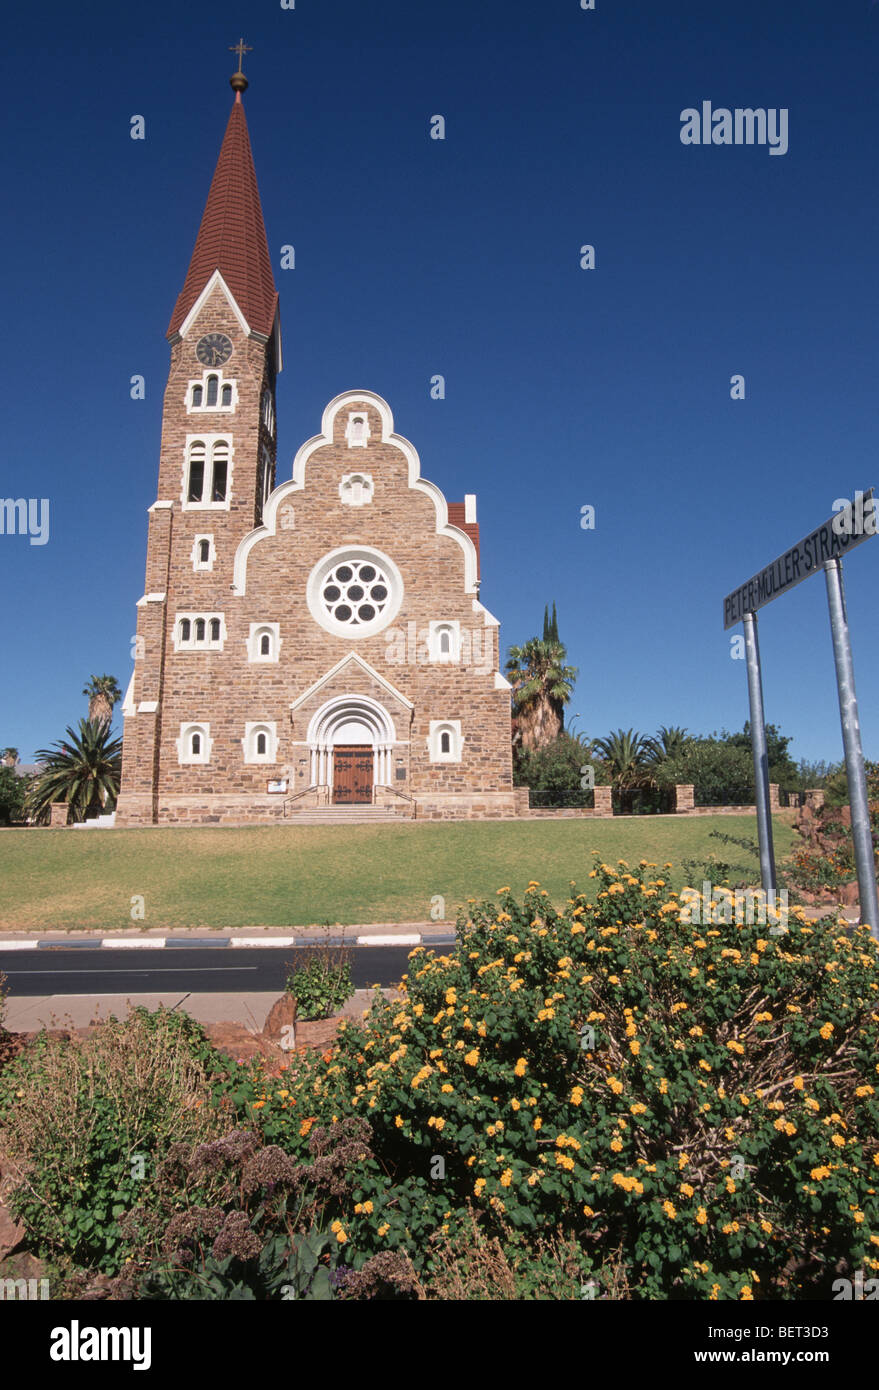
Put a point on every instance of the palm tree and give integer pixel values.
(84, 771)
(666, 743)
(542, 686)
(103, 693)
(625, 752)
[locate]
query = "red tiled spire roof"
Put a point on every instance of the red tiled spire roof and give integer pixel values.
(232, 235)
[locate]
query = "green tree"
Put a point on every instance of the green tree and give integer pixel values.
(550, 625)
(84, 771)
(667, 742)
(626, 754)
(103, 693)
(782, 768)
(542, 686)
(12, 793)
(557, 766)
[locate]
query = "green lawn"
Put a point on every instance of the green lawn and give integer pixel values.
(293, 876)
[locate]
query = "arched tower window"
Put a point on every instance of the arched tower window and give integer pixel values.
(226, 398)
(195, 485)
(197, 396)
(211, 391)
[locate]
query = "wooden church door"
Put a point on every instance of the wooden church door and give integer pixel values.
(352, 774)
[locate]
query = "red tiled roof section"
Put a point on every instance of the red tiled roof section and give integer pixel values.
(456, 518)
(232, 236)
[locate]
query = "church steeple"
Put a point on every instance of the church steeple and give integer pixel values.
(232, 235)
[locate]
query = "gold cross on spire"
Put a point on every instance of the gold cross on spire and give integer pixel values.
(240, 48)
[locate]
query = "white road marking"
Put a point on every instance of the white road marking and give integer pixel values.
(389, 940)
(263, 941)
(132, 943)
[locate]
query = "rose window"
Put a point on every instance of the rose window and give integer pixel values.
(355, 592)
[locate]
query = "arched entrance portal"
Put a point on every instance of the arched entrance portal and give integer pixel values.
(350, 740)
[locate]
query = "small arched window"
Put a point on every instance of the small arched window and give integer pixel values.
(265, 645)
(197, 396)
(261, 745)
(226, 398)
(204, 551)
(185, 629)
(445, 741)
(195, 745)
(199, 629)
(215, 629)
(212, 391)
(445, 641)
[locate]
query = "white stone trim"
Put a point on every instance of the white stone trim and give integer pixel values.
(252, 729)
(201, 566)
(354, 659)
(371, 555)
(501, 682)
(202, 381)
(253, 642)
(215, 281)
(148, 707)
(186, 732)
(470, 508)
(435, 629)
(361, 439)
(210, 441)
(158, 505)
(150, 598)
(437, 728)
(352, 495)
(281, 493)
(129, 708)
(191, 644)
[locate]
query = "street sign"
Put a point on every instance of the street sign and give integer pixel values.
(851, 523)
(848, 527)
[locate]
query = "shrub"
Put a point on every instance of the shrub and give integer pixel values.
(84, 1122)
(320, 980)
(701, 1099)
(238, 1219)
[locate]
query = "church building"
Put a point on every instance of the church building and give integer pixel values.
(308, 645)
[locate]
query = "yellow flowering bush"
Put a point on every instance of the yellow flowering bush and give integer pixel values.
(734, 1146)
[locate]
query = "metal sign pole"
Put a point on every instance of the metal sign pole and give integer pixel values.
(761, 756)
(851, 738)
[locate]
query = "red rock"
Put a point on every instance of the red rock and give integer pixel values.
(12, 1233)
(281, 1015)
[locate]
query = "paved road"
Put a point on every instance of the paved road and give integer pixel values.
(204, 969)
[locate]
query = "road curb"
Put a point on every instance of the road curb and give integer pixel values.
(159, 943)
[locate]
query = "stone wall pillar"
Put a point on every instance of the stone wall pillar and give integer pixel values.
(685, 798)
(59, 813)
(774, 803)
(815, 797)
(603, 801)
(522, 800)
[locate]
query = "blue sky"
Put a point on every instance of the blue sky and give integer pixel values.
(564, 387)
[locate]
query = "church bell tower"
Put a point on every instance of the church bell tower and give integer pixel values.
(218, 452)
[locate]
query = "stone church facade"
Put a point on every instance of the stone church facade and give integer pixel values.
(302, 643)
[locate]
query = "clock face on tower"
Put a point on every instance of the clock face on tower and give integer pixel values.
(213, 350)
